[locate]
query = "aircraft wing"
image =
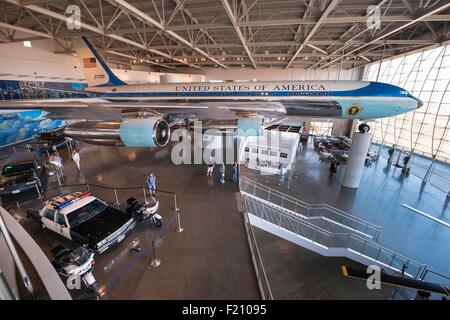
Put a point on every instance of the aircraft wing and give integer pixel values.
(103, 109)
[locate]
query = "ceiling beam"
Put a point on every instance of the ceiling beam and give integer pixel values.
(413, 12)
(312, 44)
(286, 22)
(26, 30)
(238, 31)
(437, 9)
(178, 6)
(316, 27)
(97, 30)
(136, 58)
(135, 11)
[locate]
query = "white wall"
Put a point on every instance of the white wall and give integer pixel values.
(40, 63)
(37, 63)
(281, 74)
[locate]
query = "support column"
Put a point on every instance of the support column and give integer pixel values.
(356, 159)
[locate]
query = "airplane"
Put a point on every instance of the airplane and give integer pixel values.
(135, 115)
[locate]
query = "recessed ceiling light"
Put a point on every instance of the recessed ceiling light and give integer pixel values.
(27, 44)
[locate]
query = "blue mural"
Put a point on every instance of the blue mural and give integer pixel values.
(23, 125)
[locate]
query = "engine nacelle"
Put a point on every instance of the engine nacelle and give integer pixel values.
(250, 127)
(148, 132)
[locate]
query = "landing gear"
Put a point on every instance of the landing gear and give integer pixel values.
(364, 128)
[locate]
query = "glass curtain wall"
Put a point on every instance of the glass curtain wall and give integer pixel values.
(321, 128)
(424, 132)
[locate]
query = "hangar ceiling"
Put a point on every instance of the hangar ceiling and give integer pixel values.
(168, 34)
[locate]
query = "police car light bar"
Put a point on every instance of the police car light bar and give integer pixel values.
(78, 197)
(84, 194)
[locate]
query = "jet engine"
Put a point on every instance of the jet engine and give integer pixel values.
(247, 127)
(146, 132)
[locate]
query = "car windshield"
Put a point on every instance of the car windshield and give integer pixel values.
(12, 169)
(85, 213)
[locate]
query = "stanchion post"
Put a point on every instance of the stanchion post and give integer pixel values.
(155, 262)
(57, 176)
(177, 212)
(145, 195)
(18, 207)
(117, 199)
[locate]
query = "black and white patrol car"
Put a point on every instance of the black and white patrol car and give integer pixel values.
(85, 219)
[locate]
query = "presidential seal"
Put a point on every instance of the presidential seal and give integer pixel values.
(354, 110)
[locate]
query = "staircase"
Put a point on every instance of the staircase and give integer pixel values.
(323, 216)
(320, 228)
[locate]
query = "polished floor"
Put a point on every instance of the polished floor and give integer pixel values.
(378, 200)
(210, 259)
(295, 273)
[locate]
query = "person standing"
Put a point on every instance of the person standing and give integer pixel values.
(333, 166)
(76, 159)
(56, 160)
(234, 173)
(151, 183)
(222, 173)
(210, 168)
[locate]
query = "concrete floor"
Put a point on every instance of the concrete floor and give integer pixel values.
(210, 259)
(295, 273)
(377, 200)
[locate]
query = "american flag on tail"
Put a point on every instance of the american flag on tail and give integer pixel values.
(89, 63)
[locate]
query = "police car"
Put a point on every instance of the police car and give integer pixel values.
(81, 217)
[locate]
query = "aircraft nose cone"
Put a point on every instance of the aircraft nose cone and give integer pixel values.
(419, 103)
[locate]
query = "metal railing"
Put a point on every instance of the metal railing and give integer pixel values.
(352, 242)
(5, 290)
(113, 195)
(308, 210)
(261, 276)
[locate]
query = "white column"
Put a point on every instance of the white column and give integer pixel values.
(356, 159)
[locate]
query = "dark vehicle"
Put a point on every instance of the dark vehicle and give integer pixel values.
(76, 265)
(85, 219)
(147, 212)
(47, 140)
(22, 172)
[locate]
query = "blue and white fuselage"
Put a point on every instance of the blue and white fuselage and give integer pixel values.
(331, 99)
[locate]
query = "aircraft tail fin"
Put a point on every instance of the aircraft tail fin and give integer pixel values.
(96, 71)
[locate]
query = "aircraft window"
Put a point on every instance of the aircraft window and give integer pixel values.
(273, 153)
(254, 150)
(247, 149)
(283, 155)
(264, 152)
